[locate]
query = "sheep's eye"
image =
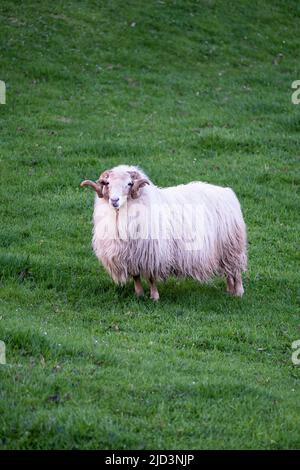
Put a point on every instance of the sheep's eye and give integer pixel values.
(130, 184)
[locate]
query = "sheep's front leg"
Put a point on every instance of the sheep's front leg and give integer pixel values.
(138, 286)
(154, 295)
(238, 285)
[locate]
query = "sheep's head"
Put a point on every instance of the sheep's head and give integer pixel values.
(117, 186)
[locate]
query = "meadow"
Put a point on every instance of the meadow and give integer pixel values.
(188, 90)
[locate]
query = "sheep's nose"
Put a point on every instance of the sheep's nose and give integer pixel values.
(114, 201)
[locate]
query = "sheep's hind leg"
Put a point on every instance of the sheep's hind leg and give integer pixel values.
(154, 295)
(230, 284)
(138, 286)
(235, 285)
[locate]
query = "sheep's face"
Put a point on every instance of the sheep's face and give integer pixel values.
(118, 186)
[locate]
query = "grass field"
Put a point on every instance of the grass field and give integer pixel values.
(187, 90)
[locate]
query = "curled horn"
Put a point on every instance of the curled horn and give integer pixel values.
(138, 183)
(97, 186)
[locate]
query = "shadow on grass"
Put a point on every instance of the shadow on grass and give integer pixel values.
(85, 284)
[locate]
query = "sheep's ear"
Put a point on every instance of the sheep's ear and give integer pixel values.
(103, 181)
(137, 184)
(135, 175)
(104, 176)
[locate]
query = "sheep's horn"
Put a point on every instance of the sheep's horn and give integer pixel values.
(94, 185)
(137, 184)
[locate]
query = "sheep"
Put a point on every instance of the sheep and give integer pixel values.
(191, 230)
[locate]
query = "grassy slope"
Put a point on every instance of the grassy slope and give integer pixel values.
(188, 92)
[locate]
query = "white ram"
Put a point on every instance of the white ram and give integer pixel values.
(195, 229)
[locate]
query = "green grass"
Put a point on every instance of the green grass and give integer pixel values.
(187, 90)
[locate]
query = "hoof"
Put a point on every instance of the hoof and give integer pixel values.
(139, 293)
(236, 292)
(154, 296)
(239, 292)
(230, 291)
